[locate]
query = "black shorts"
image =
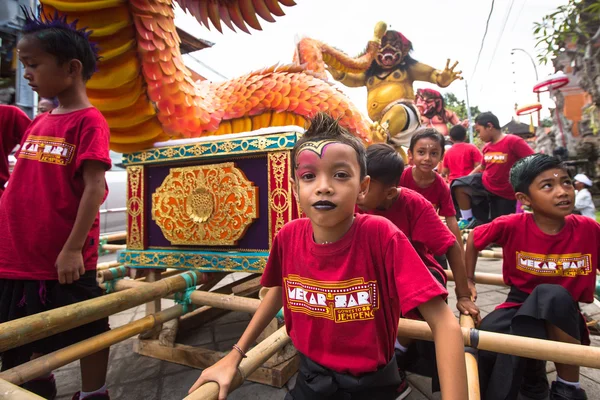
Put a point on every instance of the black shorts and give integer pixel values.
(315, 382)
(501, 375)
(21, 298)
(486, 206)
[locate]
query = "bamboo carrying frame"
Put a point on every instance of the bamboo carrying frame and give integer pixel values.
(159, 325)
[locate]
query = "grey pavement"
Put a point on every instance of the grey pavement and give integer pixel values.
(132, 377)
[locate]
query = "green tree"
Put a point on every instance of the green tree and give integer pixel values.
(547, 122)
(570, 36)
(459, 106)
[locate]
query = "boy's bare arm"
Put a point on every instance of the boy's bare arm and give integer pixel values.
(464, 296)
(477, 169)
(224, 371)
(452, 225)
(471, 254)
(449, 348)
(70, 260)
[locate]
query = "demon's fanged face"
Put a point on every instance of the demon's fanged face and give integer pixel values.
(429, 102)
(394, 47)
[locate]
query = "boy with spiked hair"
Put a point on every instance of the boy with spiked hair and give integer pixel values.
(49, 226)
(343, 280)
(550, 262)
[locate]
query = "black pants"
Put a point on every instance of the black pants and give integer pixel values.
(501, 375)
(315, 382)
(21, 298)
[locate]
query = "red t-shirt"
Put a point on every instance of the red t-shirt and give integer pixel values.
(498, 159)
(460, 160)
(13, 124)
(39, 207)
(342, 301)
(532, 257)
(438, 193)
(415, 217)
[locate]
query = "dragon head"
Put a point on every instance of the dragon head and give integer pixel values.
(394, 48)
(429, 102)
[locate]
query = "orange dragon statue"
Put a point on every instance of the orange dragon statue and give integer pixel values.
(388, 77)
(147, 95)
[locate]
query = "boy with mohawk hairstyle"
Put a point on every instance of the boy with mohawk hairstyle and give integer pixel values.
(343, 280)
(49, 227)
(550, 262)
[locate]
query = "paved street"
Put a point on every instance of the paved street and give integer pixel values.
(133, 377)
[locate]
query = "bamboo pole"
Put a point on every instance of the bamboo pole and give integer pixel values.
(114, 237)
(256, 357)
(9, 391)
(466, 321)
(111, 274)
(516, 345)
(49, 362)
(34, 327)
(490, 254)
(547, 350)
(113, 247)
(218, 300)
(106, 265)
(483, 278)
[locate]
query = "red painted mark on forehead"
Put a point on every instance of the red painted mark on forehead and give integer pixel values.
(310, 154)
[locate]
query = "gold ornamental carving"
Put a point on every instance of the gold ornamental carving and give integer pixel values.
(135, 207)
(205, 205)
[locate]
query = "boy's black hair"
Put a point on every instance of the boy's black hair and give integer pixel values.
(487, 117)
(62, 40)
(323, 127)
(384, 164)
(428, 133)
(458, 133)
(523, 173)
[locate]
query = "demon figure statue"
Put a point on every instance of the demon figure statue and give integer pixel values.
(434, 114)
(389, 80)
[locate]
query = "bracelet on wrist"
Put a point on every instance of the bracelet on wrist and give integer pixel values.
(239, 350)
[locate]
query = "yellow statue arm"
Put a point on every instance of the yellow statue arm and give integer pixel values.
(425, 73)
(348, 78)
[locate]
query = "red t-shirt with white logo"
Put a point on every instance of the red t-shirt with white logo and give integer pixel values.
(415, 217)
(532, 257)
(39, 207)
(460, 160)
(13, 124)
(342, 301)
(438, 193)
(498, 159)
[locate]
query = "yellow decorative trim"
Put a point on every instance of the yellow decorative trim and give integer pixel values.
(203, 261)
(135, 207)
(214, 148)
(280, 199)
(205, 205)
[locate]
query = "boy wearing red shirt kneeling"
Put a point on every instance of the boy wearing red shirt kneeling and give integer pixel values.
(414, 215)
(343, 281)
(550, 261)
(486, 193)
